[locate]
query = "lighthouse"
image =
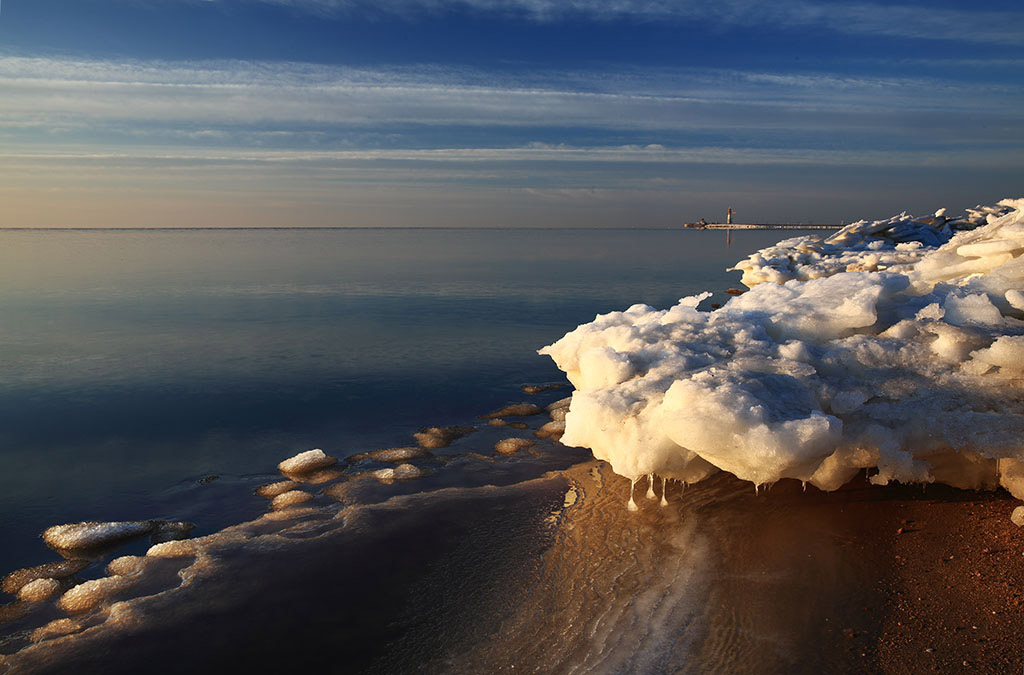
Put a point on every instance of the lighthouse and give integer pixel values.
(728, 217)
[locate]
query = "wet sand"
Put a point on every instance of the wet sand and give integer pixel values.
(555, 575)
(900, 579)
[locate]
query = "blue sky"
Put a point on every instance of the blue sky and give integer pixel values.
(503, 112)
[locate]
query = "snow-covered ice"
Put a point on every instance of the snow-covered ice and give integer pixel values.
(290, 498)
(892, 244)
(306, 462)
(896, 345)
(39, 590)
(94, 534)
(509, 446)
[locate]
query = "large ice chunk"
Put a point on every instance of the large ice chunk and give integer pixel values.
(844, 364)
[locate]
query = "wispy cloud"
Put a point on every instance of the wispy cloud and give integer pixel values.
(915, 21)
(301, 99)
(531, 153)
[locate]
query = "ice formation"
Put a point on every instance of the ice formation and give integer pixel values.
(39, 590)
(893, 245)
(880, 348)
(516, 410)
(90, 594)
(433, 438)
(509, 446)
(290, 498)
(306, 462)
(13, 582)
(271, 490)
(392, 454)
(400, 472)
(94, 535)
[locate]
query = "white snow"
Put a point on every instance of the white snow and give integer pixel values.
(896, 345)
(892, 244)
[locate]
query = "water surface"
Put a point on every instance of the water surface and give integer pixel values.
(164, 373)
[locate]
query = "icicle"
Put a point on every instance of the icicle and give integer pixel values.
(632, 504)
(650, 486)
(664, 501)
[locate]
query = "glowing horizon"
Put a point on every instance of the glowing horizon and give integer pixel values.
(501, 112)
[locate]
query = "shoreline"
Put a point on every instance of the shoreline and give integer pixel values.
(555, 574)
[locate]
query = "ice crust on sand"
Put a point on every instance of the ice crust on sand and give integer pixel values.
(917, 372)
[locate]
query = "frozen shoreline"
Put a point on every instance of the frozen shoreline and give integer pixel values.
(894, 345)
(718, 578)
(553, 575)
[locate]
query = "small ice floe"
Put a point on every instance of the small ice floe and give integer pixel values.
(93, 535)
(322, 476)
(39, 590)
(341, 492)
(90, 594)
(128, 565)
(392, 454)
(559, 409)
(510, 446)
(516, 410)
(56, 628)
(169, 531)
(289, 499)
(552, 430)
(13, 582)
(433, 438)
(306, 462)
(400, 472)
(271, 490)
(538, 388)
(498, 422)
(179, 548)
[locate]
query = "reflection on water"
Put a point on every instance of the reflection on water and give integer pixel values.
(150, 374)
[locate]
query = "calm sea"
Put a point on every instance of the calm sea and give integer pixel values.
(164, 373)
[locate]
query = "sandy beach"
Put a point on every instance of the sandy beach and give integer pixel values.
(556, 575)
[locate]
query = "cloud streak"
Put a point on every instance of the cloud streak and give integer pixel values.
(299, 98)
(528, 154)
(910, 21)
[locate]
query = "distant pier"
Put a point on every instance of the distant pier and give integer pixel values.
(760, 226)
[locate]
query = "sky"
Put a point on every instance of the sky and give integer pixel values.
(504, 113)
